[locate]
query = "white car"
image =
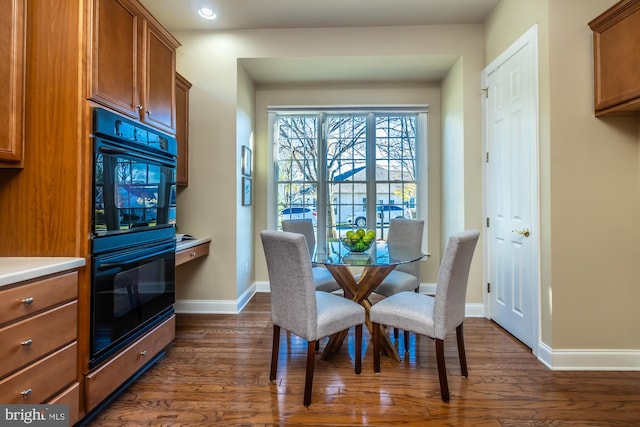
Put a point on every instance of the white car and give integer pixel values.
(299, 213)
(385, 213)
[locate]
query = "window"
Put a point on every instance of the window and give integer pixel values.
(347, 169)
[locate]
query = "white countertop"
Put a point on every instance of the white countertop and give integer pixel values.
(185, 244)
(18, 269)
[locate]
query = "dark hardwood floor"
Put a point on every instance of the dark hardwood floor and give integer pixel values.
(216, 372)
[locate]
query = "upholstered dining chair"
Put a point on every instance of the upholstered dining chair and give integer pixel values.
(434, 317)
(323, 280)
(404, 277)
(297, 307)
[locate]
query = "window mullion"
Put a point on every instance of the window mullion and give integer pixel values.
(321, 196)
(371, 171)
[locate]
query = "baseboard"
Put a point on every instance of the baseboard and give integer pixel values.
(589, 359)
(215, 306)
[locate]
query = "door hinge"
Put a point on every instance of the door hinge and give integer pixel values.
(487, 159)
(487, 222)
(485, 90)
(488, 287)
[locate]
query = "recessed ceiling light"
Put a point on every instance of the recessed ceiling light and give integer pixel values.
(207, 13)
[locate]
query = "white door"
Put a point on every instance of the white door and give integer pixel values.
(511, 190)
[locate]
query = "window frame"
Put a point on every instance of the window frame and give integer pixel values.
(421, 155)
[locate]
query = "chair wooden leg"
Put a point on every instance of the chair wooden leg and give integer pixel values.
(376, 347)
(317, 345)
(461, 353)
(275, 349)
(442, 370)
(406, 341)
(308, 382)
(358, 348)
(396, 334)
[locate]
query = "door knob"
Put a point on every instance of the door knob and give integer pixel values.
(524, 232)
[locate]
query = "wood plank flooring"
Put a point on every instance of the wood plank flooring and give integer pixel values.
(216, 372)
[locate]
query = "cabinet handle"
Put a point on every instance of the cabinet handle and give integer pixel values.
(27, 343)
(139, 106)
(26, 393)
(148, 112)
(192, 254)
(27, 300)
(143, 353)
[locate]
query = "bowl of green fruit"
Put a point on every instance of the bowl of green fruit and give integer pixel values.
(359, 240)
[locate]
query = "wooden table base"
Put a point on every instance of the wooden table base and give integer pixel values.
(359, 291)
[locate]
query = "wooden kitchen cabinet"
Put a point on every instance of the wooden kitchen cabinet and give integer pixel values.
(39, 329)
(12, 69)
(104, 380)
(133, 73)
(616, 46)
(182, 129)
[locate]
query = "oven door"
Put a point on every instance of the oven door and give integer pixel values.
(132, 290)
(134, 190)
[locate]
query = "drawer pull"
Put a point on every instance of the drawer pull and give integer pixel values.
(26, 393)
(27, 343)
(192, 254)
(143, 353)
(27, 301)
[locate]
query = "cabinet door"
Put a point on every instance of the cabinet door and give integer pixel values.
(114, 74)
(616, 35)
(182, 129)
(159, 80)
(12, 51)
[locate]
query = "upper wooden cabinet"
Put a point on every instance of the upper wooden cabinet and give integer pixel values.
(133, 63)
(182, 129)
(616, 46)
(12, 52)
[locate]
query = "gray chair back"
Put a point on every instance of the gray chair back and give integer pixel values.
(451, 289)
(304, 227)
(407, 232)
(293, 292)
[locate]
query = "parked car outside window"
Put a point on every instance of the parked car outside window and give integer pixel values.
(384, 214)
(299, 213)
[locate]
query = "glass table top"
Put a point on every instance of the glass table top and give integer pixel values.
(382, 253)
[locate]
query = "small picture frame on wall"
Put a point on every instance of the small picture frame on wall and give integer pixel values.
(246, 161)
(246, 191)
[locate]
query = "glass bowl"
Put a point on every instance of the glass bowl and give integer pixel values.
(357, 245)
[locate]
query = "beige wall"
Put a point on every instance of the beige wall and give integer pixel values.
(210, 206)
(589, 168)
(589, 182)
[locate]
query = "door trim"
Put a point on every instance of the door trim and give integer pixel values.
(530, 37)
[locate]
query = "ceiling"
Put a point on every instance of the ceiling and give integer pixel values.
(181, 15)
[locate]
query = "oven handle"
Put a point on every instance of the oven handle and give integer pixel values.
(113, 150)
(129, 262)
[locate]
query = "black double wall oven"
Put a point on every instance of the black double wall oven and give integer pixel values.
(133, 242)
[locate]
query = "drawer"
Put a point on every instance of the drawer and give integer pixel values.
(23, 300)
(101, 382)
(31, 338)
(38, 382)
(191, 253)
(71, 397)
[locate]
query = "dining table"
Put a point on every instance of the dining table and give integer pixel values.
(376, 263)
